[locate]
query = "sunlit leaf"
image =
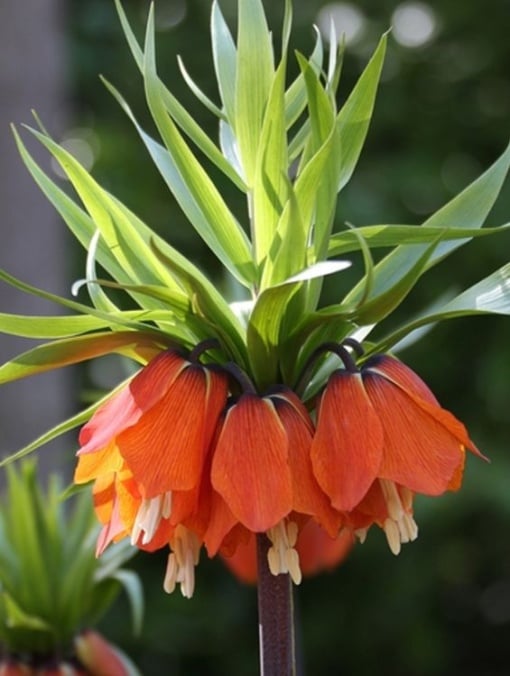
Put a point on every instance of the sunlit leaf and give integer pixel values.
(68, 351)
(379, 236)
(254, 75)
(468, 210)
(351, 128)
(489, 296)
(179, 114)
(191, 185)
(225, 60)
(270, 183)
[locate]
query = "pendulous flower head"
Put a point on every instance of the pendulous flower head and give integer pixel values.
(146, 448)
(190, 455)
(381, 437)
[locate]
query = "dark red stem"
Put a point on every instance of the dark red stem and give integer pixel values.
(276, 617)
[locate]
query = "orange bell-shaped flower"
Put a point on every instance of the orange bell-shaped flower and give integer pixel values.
(145, 449)
(161, 423)
(381, 437)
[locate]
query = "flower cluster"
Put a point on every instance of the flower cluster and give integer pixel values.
(183, 456)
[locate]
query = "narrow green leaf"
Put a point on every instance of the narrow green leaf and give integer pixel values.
(130, 36)
(270, 184)
(179, 114)
(254, 74)
(17, 617)
(471, 207)
(351, 128)
(320, 107)
(49, 327)
(378, 236)
(286, 29)
(373, 310)
(132, 319)
(225, 60)
(111, 217)
(81, 225)
(79, 222)
(489, 296)
(204, 100)
(269, 320)
(468, 210)
(193, 188)
(27, 538)
(98, 297)
(287, 254)
(114, 320)
(355, 115)
(296, 96)
(73, 350)
(264, 331)
(209, 305)
(293, 231)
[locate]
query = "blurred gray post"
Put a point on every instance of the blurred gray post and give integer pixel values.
(33, 243)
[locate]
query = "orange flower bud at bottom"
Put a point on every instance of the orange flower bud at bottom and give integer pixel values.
(317, 552)
(100, 657)
(10, 666)
(61, 669)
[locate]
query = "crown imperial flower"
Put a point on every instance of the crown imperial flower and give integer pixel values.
(175, 463)
(381, 437)
(245, 437)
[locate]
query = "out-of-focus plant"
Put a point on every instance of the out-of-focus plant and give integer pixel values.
(53, 589)
(261, 409)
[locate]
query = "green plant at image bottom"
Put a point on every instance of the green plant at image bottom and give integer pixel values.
(262, 412)
(53, 589)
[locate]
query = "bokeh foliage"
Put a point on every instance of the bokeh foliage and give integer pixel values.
(441, 117)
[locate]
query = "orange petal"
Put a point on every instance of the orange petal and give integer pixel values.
(165, 450)
(308, 497)
(401, 375)
(421, 451)
(92, 465)
(103, 495)
(372, 509)
(243, 561)
(125, 407)
(114, 529)
(318, 551)
(221, 522)
(347, 447)
(250, 464)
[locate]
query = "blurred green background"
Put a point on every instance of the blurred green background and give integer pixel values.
(442, 116)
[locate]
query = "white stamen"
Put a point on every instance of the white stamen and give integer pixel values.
(361, 534)
(400, 527)
(149, 516)
(392, 535)
(167, 505)
(282, 557)
(182, 560)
